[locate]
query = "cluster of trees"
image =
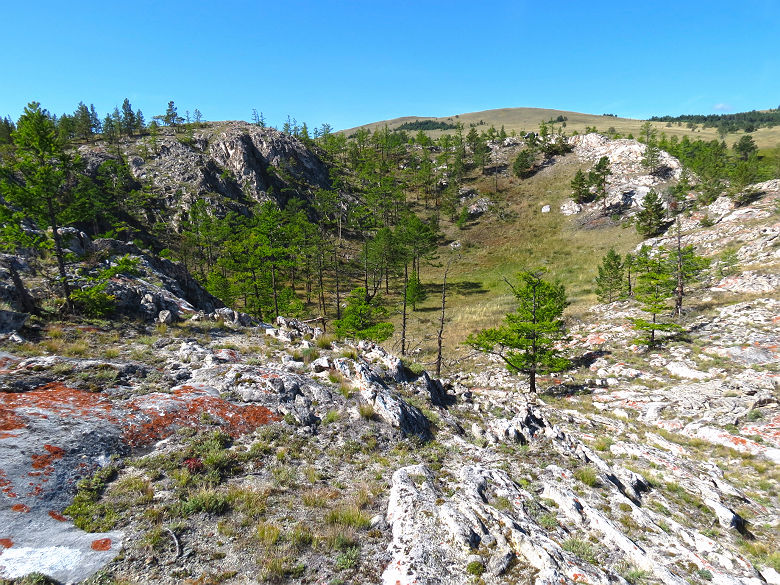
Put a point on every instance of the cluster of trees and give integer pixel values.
(593, 186)
(657, 278)
(426, 125)
(43, 181)
(540, 148)
(86, 125)
(746, 121)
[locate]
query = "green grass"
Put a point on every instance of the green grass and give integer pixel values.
(351, 516)
(580, 548)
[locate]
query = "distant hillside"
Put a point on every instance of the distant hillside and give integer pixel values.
(518, 119)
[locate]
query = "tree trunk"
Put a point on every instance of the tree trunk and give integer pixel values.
(680, 292)
(403, 318)
(441, 319)
(60, 255)
(273, 288)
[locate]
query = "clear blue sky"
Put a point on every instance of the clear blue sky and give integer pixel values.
(353, 62)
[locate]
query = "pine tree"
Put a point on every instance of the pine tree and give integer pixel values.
(609, 283)
(362, 319)
(580, 190)
(82, 122)
(415, 291)
(655, 283)
(41, 161)
(527, 341)
(597, 178)
(128, 121)
(687, 267)
(650, 221)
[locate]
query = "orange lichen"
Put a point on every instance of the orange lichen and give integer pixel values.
(6, 542)
(20, 508)
(45, 461)
(185, 408)
(101, 544)
(57, 516)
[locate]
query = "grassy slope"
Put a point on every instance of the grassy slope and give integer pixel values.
(494, 248)
(529, 118)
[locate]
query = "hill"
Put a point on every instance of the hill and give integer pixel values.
(528, 119)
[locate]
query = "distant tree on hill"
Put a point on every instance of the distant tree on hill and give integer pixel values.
(524, 163)
(82, 122)
(745, 147)
(128, 118)
(579, 186)
(171, 117)
(609, 282)
(597, 178)
(650, 221)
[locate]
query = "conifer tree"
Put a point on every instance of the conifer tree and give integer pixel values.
(609, 283)
(527, 340)
(45, 168)
(655, 283)
(650, 221)
(579, 185)
(597, 178)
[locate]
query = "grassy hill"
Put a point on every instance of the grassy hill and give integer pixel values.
(518, 119)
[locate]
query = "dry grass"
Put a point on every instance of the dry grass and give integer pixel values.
(528, 119)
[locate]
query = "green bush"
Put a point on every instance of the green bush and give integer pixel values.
(93, 301)
(475, 568)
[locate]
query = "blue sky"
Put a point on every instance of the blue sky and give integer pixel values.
(353, 62)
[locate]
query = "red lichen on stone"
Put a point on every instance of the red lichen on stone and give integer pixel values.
(20, 508)
(46, 461)
(101, 544)
(9, 421)
(164, 413)
(56, 398)
(57, 516)
(6, 542)
(6, 486)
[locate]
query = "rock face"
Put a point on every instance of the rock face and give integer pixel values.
(231, 165)
(629, 182)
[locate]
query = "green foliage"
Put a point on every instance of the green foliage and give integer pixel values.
(580, 548)
(597, 178)
(586, 475)
(524, 163)
(580, 188)
(650, 221)
(609, 282)
(476, 568)
(527, 340)
(87, 511)
(94, 301)
(362, 318)
(426, 125)
(655, 283)
(415, 291)
(745, 147)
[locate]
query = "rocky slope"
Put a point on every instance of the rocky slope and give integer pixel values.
(232, 165)
(190, 444)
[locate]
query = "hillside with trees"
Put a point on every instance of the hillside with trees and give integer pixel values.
(216, 339)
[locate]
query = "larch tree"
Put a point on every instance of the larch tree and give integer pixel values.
(527, 340)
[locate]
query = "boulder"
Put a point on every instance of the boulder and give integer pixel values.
(165, 317)
(11, 321)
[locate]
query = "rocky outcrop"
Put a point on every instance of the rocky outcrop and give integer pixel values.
(231, 165)
(629, 182)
